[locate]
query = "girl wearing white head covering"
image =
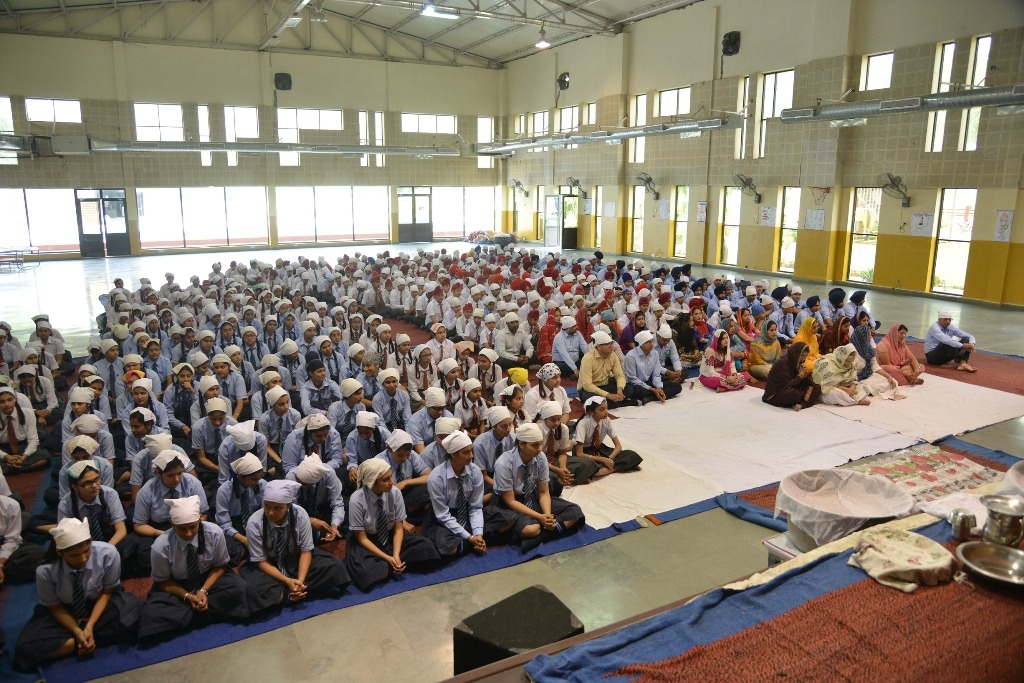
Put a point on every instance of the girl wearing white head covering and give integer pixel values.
(85, 605)
(93, 502)
(378, 546)
(566, 469)
(448, 381)
(237, 500)
(284, 564)
(592, 432)
(423, 375)
(191, 580)
(470, 407)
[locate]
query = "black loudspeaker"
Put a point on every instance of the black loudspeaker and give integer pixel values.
(283, 81)
(731, 43)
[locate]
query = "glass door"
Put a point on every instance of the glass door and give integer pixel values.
(570, 221)
(115, 225)
(102, 227)
(553, 221)
(414, 218)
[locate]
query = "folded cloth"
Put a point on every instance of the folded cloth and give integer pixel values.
(941, 507)
(902, 559)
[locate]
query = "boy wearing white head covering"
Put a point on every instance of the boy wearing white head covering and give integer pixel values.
(409, 473)
(241, 438)
(209, 434)
(378, 546)
(93, 566)
(84, 448)
(489, 446)
(193, 585)
(237, 500)
(284, 564)
(150, 446)
(320, 496)
(421, 425)
(521, 483)
(366, 440)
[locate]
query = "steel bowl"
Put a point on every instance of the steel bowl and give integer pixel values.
(993, 561)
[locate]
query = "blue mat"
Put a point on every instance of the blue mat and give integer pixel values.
(715, 615)
(733, 504)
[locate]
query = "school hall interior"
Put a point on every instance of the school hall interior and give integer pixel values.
(867, 144)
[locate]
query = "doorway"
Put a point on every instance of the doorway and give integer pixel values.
(414, 217)
(561, 221)
(102, 226)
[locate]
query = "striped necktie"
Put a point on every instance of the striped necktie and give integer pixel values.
(383, 537)
(195, 575)
(79, 607)
(529, 489)
(93, 516)
(462, 506)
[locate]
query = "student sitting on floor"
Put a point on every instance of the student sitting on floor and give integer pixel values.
(208, 434)
(18, 560)
(313, 434)
(549, 388)
(392, 403)
(591, 432)
(644, 382)
(470, 408)
(421, 426)
(284, 566)
(237, 500)
(19, 436)
(242, 438)
(98, 505)
(192, 583)
(321, 498)
(276, 423)
(566, 469)
(521, 484)
(378, 547)
(434, 454)
(409, 474)
(82, 605)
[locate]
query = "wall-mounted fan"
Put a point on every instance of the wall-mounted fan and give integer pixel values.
(893, 186)
(518, 187)
(648, 182)
(572, 182)
(747, 186)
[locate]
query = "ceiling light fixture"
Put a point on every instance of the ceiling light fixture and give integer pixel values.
(543, 42)
(292, 22)
(430, 10)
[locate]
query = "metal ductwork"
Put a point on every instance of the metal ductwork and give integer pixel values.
(15, 143)
(268, 148)
(609, 137)
(966, 99)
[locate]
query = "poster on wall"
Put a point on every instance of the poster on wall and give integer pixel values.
(702, 211)
(768, 216)
(588, 207)
(609, 208)
(664, 209)
(1004, 225)
(815, 219)
(921, 226)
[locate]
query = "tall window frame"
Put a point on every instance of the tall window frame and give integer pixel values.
(638, 117)
(957, 212)
(877, 71)
(598, 214)
(941, 82)
(977, 72)
(742, 102)
(240, 122)
(789, 231)
(636, 223)
(674, 102)
(732, 205)
(777, 89)
(682, 221)
(865, 208)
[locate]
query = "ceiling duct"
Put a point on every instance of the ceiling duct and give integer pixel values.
(268, 148)
(965, 99)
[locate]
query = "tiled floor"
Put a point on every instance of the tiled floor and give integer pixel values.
(411, 632)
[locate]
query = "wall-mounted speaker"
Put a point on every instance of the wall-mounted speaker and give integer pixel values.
(731, 43)
(283, 81)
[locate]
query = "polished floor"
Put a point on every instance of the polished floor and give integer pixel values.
(407, 637)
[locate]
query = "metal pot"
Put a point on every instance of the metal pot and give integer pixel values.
(1005, 524)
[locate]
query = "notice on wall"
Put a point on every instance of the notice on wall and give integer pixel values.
(768, 216)
(1004, 225)
(588, 207)
(815, 219)
(921, 225)
(702, 211)
(664, 209)
(609, 208)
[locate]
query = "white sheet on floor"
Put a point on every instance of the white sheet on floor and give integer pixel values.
(939, 407)
(739, 442)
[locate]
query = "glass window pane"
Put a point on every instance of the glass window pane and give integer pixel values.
(147, 114)
(147, 133)
(791, 208)
(170, 115)
(446, 124)
(480, 208)
(53, 219)
(330, 119)
(428, 123)
(879, 71)
(14, 219)
(247, 215)
(448, 215)
(204, 216)
(247, 123)
(39, 110)
(410, 123)
(950, 267)
(333, 213)
(160, 217)
(286, 118)
(67, 111)
(295, 214)
(308, 118)
(372, 213)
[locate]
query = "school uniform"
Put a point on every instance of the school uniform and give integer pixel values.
(342, 417)
(280, 545)
(20, 558)
(316, 399)
(151, 509)
(322, 500)
(556, 441)
(473, 415)
(592, 434)
(69, 417)
(457, 510)
(533, 398)
(421, 379)
(488, 380)
(56, 585)
(371, 385)
(161, 367)
(487, 449)
(235, 505)
(232, 389)
(19, 436)
(142, 465)
(416, 497)
(522, 479)
(158, 409)
(421, 426)
(189, 563)
(395, 411)
(358, 449)
(277, 427)
(209, 439)
(377, 516)
(230, 452)
(106, 472)
(102, 514)
(298, 445)
(178, 402)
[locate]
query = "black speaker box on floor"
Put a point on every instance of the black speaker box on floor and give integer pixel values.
(282, 81)
(529, 619)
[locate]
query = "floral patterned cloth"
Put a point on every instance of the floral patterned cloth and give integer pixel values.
(928, 473)
(902, 559)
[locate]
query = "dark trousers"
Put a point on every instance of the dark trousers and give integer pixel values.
(507, 364)
(639, 393)
(943, 353)
(564, 367)
(610, 387)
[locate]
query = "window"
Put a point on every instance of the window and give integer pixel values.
(7, 126)
(672, 102)
(682, 219)
(790, 224)
(290, 121)
(458, 211)
(288, 132)
(978, 72)
(953, 246)
(941, 82)
(364, 136)
(636, 242)
(877, 72)
(205, 158)
(240, 122)
(598, 213)
(638, 116)
(743, 100)
(776, 95)
(864, 233)
(53, 111)
(484, 134)
(378, 136)
(14, 218)
(589, 114)
(332, 213)
(538, 226)
(428, 123)
(520, 124)
(158, 122)
(539, 122)
(201, 216)
(568, 119)
(731, 197)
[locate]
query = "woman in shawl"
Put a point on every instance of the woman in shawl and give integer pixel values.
(836, 336)
(765, 351)
(836, 374)
(896, 359)
(737, 348)
(875, 380)
(789, 383)
(686, 341)
(699, 321)
(637, 324)
(808, 334)
(717, 371)
(745, 327)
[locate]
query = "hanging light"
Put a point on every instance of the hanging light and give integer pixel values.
(543, 42)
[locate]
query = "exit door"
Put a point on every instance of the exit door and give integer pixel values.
(553, 221)
(414, 217)
(102, 227)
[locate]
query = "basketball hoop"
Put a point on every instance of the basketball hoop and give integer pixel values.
(819, 194)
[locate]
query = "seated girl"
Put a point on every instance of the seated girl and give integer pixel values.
(19, 436)
(409, 473)
(192, 583)
(549, 388)
(808, 335)
(873, 377)
(392, 403)
(566, 469)
(470, 408)
(591, 432)
(237, 500)
(717, 370)
(765, 350)
(276, 423)
(378, 546)
(321, 498)
(97, 505)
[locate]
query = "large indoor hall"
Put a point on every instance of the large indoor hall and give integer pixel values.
(540, 341)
